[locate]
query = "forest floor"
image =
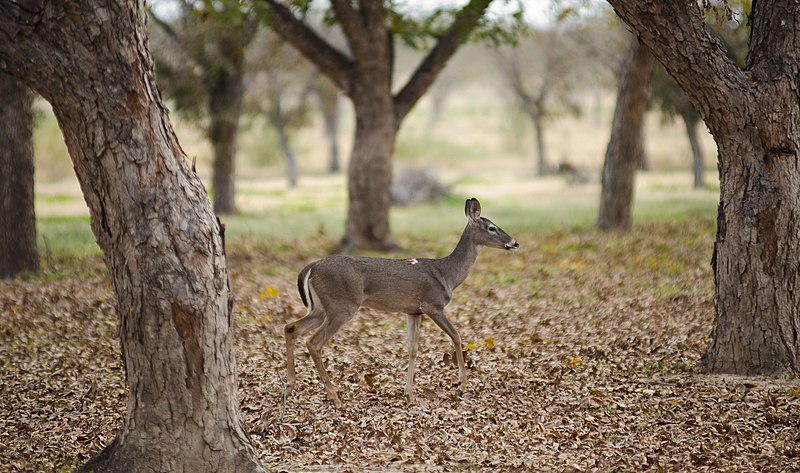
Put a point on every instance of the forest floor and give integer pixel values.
(584, 354)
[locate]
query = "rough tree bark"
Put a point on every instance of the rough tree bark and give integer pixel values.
(624, 152)
(753, 112)
(149, 212)
(18, 250)
(365, 75)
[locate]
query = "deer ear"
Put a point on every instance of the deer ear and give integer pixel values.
(473, 209)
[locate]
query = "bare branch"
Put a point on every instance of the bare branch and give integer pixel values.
(351, 26)
(330, 61)
(465, 21)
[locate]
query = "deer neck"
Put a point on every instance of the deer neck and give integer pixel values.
(456, 266)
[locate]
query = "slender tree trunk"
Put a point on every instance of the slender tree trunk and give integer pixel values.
(162, 244)
(644, 161)
(329, 105)
(18, 251)
(225, 104)
(370, 176)
(288, 154)
(541, 152)
(697, 153)
(624, 152)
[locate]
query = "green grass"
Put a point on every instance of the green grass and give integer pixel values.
(65, 236)
(296, 219)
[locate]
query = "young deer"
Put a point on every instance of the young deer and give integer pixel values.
(334, 288)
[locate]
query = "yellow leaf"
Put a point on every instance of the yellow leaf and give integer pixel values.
(652, 261)
(489, 342)
(477, 282)
(794, 391)
(269, 292)
(471, 346)
(265, 319)
(574, 361)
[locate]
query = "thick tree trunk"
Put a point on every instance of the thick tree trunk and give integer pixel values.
(225, 105)
(624, 152)
(151, 217)
(756, 254)
(18, 251)
(370, 176)
(690, 121)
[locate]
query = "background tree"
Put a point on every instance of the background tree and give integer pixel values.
(752, 112)
(18, 250)
(365, 74)
(201, 66)
(280, 85)
(328, 99)
(540, 72)
(624, 151)
(162, 244)
(668, 97)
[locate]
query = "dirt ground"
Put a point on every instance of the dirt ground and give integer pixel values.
(583, 351)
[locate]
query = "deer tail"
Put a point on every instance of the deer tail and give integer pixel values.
(304, 286)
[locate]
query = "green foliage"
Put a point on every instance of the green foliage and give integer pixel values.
(195, 47)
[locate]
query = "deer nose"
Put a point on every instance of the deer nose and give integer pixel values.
(512, 246)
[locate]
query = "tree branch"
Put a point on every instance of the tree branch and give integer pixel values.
(465, 21)
(351, 26)
(329, 60)
(677, 35)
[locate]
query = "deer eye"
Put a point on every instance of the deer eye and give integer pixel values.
(492, 229)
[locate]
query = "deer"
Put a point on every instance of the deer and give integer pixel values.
(335, 287)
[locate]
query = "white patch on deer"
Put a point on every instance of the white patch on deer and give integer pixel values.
(413, 261)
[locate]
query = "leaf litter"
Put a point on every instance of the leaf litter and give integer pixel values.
(583, 352)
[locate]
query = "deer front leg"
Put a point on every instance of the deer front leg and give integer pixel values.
(413, 323)
(437, 315)
(291, 332)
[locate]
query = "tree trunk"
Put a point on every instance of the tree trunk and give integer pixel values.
(624, 152)
(18, 251)
(288, 154)
(690, 121)
(162, 244)
(329, 105)
(541, 152)
(370, 176)
(225, 104)
(752, 112)
(757, 323)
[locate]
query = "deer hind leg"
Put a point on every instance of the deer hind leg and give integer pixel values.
(437, 315)
(413, 323)
(331, 325)
(291, 332)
